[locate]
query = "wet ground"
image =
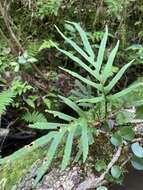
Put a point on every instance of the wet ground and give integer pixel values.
(133, 181)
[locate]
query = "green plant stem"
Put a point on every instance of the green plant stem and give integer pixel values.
(106, 102)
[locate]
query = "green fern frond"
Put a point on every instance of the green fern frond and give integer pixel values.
(6, 98)
(34, 117)
(68, 147)
(51, 152)
(69, 132)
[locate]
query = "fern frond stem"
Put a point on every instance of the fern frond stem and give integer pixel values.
(105, 101)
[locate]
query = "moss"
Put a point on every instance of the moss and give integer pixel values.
(13, 171)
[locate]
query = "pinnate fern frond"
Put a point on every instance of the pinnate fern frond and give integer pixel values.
(34, 117)
(6, 98)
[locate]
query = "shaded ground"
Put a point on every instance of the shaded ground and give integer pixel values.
(133, 181)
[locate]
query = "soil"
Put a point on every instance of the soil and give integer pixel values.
(133, 181)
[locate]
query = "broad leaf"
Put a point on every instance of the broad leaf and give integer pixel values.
(102, 188)
(137, 150)
(116, 171)
(116, 139)
(127, 133)
(100, 165)
(137, 163)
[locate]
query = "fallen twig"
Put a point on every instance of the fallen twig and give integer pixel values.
(96, 181)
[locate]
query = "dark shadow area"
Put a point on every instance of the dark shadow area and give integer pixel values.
(133, 181)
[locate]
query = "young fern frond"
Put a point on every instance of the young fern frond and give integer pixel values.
(34, 117)
(6, 98)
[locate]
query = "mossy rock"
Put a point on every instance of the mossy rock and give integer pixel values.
(13, 171)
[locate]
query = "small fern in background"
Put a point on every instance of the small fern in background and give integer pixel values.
(6, 98)
(34, 117)
(46, 8)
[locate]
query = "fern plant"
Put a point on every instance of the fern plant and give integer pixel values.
(79, 131)
(34, 117)
(81, 128)
(6, 97)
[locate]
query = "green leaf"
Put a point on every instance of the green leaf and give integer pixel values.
(46, 125)
(84, 38)
(74, 106)
(50, 155)
(94, 73)
(39, 143)
(137, 163)
(124, 117)
(100, 165)
(127, 133)
(91, 100)
(116, 139)
(116, 171)
(125, 91)
(117, 77)
(101, 51)
(6, 98)
(137, 150)
(137, 103)
(102, 188)
(34, 117)
(84, 139)
(30, 103)
(108, 67)
(83, 79)
(75, 46)
(61, 115)
(68, 147)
